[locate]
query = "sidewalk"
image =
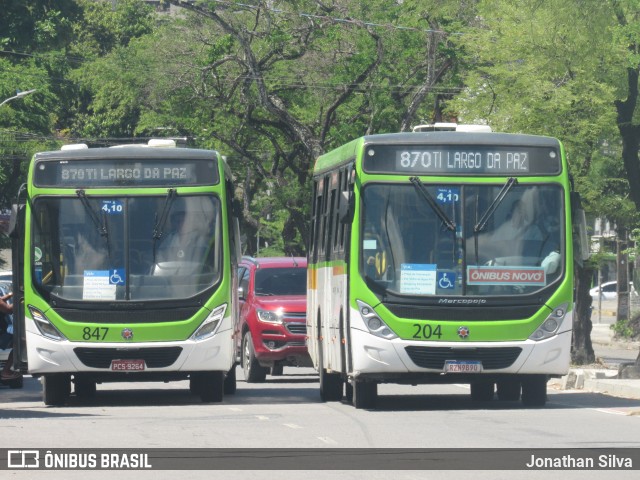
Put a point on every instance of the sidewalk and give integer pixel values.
(608, 375)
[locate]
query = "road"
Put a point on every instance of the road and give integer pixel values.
(285, 412)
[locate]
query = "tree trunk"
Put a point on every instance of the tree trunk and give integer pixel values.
(581, 348)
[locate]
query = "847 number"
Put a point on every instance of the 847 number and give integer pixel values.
(427, 331)
(98, 333)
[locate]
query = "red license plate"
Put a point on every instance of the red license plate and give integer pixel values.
(127, 365)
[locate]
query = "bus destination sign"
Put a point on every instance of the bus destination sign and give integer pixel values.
(119, 172)
(462, 160)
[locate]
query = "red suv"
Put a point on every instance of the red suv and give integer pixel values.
(273, 320)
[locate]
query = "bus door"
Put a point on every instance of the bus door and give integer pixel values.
(16, 232)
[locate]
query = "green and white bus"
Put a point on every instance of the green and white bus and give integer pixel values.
(442, 257)
(125, 269)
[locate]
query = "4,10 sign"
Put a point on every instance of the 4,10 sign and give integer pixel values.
(112, 206)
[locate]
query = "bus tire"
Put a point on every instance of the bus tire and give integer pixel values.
(194, 384)
(84, 388)
(211, 386)
(534, 391)
(230, 381)
(482, 391)
(253, 371)
(330, 386)
(348, 392)
(365, 394)
(56, 388)
(508, 390)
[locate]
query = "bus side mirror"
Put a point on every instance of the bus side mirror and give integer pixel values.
(581, 247)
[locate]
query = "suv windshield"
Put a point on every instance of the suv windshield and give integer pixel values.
(408, 249)
(281, 281)
(108, 248)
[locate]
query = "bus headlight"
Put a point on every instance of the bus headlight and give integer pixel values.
(45, 327)
(269, 316)
(551, 325)
(209, 327)
(374, 323)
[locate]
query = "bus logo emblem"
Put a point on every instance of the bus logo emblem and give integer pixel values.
(127, 334)
(463, 332)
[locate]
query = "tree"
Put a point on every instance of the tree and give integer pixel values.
(538, 69)
(277, 84)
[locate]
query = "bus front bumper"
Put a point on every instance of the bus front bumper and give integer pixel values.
(45, 355)
(378, 358)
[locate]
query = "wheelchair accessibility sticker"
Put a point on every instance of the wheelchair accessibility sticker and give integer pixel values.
(117, 276)
(446, 279)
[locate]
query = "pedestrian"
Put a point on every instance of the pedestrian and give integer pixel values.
(6, 336)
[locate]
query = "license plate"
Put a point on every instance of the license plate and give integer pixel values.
(462, 366)
(127, 365)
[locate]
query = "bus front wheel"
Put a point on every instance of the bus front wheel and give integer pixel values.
(534, 391)
(230, 381)
(56, 388)
(482, 391)
(508, 390)
(365, 394)
(330, 386)
(85, 388)
(210, 386)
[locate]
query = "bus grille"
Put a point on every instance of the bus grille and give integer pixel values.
(492, 358)
(154, 357)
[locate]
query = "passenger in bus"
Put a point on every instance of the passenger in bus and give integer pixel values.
(521, 225)
(90, 252)
(185, 242)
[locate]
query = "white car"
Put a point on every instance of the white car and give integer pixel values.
(608, 291)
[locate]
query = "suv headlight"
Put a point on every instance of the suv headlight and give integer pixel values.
(209, 327)
(374, 323)
(44, 325)
(551, 325)
(270, 316)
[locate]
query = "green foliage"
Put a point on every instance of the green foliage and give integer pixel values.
(273, 85)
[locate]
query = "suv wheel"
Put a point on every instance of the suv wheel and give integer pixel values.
(253, 371)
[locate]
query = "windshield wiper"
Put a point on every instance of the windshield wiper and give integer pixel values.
(448, 223)
(158, 228)
(160, 222)
(101, 225)
(482, 223)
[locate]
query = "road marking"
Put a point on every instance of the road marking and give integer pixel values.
(611, 411)
(262, 417)
(292, 425)
(235, 409)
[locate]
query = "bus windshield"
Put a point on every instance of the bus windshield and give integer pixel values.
(408, 249)
(90, 248)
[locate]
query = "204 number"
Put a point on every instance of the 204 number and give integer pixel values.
(98, 333)
(427, 331)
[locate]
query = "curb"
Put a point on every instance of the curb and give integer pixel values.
(603, 381)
